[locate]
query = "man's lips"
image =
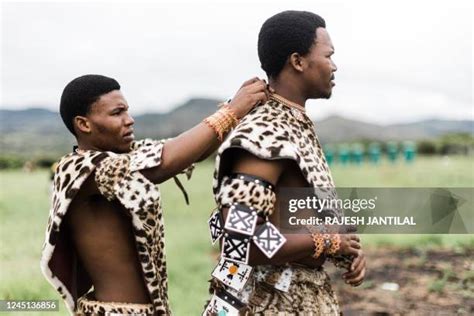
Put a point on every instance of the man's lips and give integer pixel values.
(129, 136)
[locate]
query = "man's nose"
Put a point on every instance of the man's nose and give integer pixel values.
(129, 120)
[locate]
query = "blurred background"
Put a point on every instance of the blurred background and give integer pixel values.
(401, 115)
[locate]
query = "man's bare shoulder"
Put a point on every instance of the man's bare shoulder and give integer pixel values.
(88, 189)
(245, 162)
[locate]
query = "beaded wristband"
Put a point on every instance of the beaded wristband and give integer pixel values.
(222, 121)
(325, 243)
(319, 248)
(335, 244)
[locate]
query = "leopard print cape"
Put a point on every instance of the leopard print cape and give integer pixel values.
(117, 177)
(272, 131)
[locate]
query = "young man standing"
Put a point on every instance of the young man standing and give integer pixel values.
(104, 247)
(261, 270)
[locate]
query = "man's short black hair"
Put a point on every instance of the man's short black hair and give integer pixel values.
(81, 93)
(283, 34)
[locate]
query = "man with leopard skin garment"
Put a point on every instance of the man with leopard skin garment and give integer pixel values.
(104, 249)
(262, 271)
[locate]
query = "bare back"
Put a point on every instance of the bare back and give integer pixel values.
(103, 237)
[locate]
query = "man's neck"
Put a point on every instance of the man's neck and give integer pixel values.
(289, 91)
(84, 147)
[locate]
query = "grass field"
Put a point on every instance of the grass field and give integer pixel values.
(24, 208)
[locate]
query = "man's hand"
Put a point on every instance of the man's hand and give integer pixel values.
(356, 275)
(251, 93)
(350, 245)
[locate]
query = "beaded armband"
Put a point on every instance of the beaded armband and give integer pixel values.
(247, 198)
(248, 190)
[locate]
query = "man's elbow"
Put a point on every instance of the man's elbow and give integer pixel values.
(160, 173)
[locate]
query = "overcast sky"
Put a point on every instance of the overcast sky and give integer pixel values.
(398, 60)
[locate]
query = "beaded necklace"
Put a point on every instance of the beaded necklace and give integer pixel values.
(296, 109)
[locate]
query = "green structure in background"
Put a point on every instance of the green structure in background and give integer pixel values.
(329, 152)
(392, 151)
(374, 153)
(409, 151)
(354, 153)
(343, 153)
(357, 153)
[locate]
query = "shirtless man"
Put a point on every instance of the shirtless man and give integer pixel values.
(104, 247)
(275, 147)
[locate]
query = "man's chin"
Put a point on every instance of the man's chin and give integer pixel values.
(323, 95)
(122, 149)
(125, 150)
(327, 94)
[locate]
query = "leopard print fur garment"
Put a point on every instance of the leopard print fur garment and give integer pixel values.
(271, 131)
(310, 292)
(235, 190)
(88, 306)
(117, 177)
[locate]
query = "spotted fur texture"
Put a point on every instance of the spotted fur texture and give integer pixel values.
(87, 306)
(271, 131)
(248, 193)
(117, 177)
(310, 293)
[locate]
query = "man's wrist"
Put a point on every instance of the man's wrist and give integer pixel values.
(222, 121)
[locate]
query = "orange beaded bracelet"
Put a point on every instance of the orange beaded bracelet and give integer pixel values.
(222, 121)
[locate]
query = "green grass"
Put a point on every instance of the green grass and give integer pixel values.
(24, 205)
(454, 171)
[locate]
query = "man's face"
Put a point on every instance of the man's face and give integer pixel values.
(110, 123)
(319, 74)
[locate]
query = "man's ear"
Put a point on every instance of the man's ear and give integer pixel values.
(82, 124)
(296, 62)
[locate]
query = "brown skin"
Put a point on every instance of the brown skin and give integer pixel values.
(303, 77)
(101, 230)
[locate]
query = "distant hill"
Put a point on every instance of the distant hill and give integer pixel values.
(176, 121)
(339, 129)
(36, 131)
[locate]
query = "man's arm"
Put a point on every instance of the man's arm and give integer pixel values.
(185, 149)
(297, 246)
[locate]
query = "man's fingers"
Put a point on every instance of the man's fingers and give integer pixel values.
(267, 92)
(356, 270)
(358, 279)
(355, 244)
(250, 81)
(258, 86)
(356, 261)
(354, 237)
(352, 274)
(352, 251)
(260, 97)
